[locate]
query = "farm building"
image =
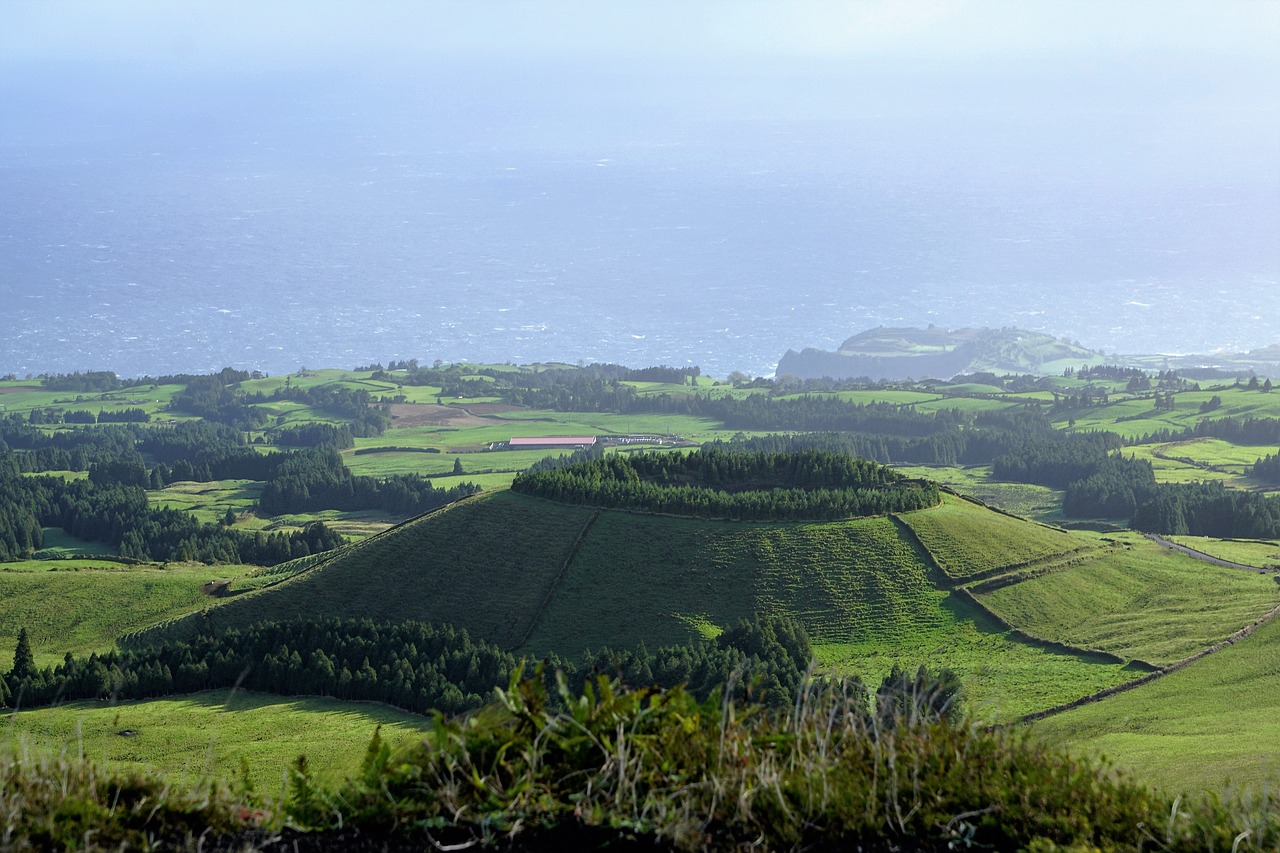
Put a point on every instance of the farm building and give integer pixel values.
(553, 442)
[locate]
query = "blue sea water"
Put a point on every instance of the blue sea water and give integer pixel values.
(328, 239)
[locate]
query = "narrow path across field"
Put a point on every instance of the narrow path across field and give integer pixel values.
(1201, 555)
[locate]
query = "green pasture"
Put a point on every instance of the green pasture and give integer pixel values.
(59, 545)
(964, 404)
(1216, 453)
(966, 389)
(83, 606)
(1136, 600)
(1262, 553)
(209, 501)
(1028, 500)
(1002, 676)
(884, 395)
(647, 578)
(968, 540)
(1168, 469)
(207, 735)
(1210, 724)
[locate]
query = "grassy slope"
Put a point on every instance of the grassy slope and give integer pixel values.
(643, 577)
(481, 565)
(81, 606)
(1138, 602)
(968, 540)
(1195, 728)
(206, 734)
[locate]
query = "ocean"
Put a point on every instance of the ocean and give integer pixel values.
(331, 236)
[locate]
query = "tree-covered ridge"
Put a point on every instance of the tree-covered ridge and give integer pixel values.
(412, 665)
(716, 483)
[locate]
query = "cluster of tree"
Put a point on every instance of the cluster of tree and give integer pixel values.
(118, 515)
(309, 480)
(84, 416)
(411, 665)
(1068, 400)
(212, 398)
(1111, 372)
(1115, 489)
(366, 416)
(769, 655)
(315, 435)
(1267, 468)
(90, 381)
(1056, 461)
(1253, 431)
(715, 483)
(1208, 509)
(1098, 480)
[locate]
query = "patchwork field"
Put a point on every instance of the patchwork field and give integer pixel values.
(1137, 601)
(1210, 724)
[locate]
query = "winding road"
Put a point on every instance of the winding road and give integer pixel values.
(1201, 555)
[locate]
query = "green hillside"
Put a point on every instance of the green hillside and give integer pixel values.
(969, 540)
(1194, 728)
(539, 577)
(656, 579)
(1139, 601)
(81, 606)
(482, 565)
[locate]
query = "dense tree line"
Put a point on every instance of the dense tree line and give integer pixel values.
(411, 665)
(769, 655)
(310, 480)
(1208, 509)
(1252, 431)
(1267, 468)
(714, 483)
(1056, 461)
(315, 435)
(1114, 489)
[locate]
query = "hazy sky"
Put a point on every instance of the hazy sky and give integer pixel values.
(284, 32)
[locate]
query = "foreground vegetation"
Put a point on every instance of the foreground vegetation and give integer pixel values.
(615, 767)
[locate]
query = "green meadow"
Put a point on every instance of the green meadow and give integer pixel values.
(82, 606)
(1136, 601)
(208, 735)
(1210, 725)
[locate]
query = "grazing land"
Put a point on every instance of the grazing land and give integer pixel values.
(209, 735)
(1210, 725)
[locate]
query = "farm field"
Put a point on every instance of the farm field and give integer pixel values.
(1139, 601)
(968, 540)
(83, 606)
(1210, 724)
(205, 735)
(1039, 503)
